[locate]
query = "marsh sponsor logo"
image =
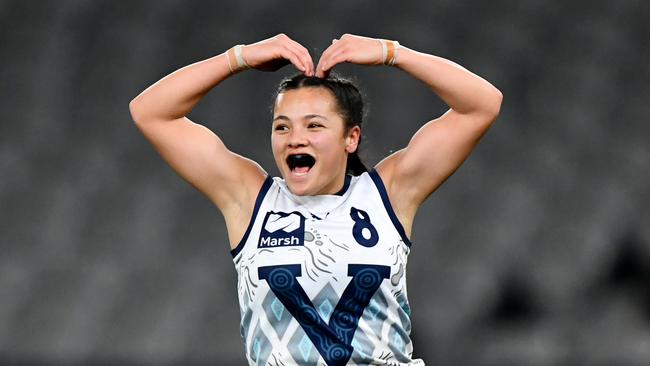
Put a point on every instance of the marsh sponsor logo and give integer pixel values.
(281, 229)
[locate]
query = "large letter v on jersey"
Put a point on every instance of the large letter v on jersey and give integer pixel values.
(333, 340)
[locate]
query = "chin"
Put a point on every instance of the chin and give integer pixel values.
(299, 189)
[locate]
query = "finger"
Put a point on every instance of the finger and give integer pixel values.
(290, 48)
(327, 54)
(282, 49)
(304, 56)
(323, 55)
(331, 57)
(293, 57)
(298, 50)
(324, 63)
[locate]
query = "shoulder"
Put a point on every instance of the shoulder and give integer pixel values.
(400, 195)
(239, 188)
(240, 207)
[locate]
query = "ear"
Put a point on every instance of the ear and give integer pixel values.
(352, 139)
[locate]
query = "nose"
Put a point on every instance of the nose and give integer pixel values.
(297, 139)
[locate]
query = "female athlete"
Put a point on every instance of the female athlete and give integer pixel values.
(321, 252)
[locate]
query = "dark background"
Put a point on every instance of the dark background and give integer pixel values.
(536, 252)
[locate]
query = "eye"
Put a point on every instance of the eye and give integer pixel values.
(314, 125)
(280, 128)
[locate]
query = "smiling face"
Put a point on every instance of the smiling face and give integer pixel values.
(310, 142)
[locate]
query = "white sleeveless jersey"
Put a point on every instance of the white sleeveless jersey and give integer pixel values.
(322, 279)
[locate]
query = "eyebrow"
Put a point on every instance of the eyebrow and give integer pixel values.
(305, 117)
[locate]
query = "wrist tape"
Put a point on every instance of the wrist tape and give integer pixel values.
(236, 62)
(389, 51)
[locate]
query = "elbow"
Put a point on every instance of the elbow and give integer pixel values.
(493, 106)
(146, 110)
(136, 110)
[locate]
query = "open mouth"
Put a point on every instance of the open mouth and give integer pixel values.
(300, 163)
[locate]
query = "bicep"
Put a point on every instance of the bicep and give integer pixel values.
(201, 158)
(434, 153)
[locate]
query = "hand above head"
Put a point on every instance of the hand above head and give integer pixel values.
(273, 53)
(357, 50)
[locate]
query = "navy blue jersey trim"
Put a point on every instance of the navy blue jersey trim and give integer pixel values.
(258, 203)
(346, 185)
(389, 208)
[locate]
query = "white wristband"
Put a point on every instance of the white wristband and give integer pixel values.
(236, 62)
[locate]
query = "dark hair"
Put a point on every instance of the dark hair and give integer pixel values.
(350, 104)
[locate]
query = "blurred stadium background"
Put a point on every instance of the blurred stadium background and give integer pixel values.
(536, 252)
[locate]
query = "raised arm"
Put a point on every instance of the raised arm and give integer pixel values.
(441, 145)
(192, 150)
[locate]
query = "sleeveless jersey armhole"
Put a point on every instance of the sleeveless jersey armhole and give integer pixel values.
(258, 202)
(389, 208)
